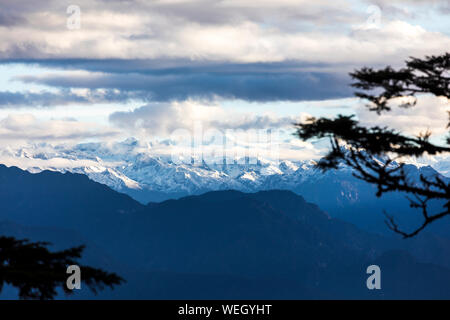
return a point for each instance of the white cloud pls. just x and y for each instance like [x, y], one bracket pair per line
[216, 31]
[26, 127]
[183, 129]
[161, 119]
[430, 113]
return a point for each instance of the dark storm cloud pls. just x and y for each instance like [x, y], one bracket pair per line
[181, 86]
[174, 80]
[62, 97]
[171, 65]
[9, 19]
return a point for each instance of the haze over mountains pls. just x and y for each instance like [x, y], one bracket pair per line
[224, 244]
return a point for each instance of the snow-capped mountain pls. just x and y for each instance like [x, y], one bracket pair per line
[131, 167]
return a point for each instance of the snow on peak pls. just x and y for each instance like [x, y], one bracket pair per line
[129, 166]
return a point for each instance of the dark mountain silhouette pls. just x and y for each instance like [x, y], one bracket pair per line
[60, 239]
[227, 244]
[62, 200]
[343, 196]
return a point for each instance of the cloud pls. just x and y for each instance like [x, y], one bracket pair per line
[162, 119]
[220, 31]
[167, 85]
[425, 6]
[430, 113]
[180, 57]
[8, 19]
[288, 50]
[64, 97]
[26, 127]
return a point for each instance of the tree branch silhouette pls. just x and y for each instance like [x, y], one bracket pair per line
[37, 272]
[360, 147]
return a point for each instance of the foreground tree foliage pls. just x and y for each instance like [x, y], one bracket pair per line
[363, 145]
[37, 272]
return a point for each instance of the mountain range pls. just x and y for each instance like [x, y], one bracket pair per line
[130, 167]
[222, 244]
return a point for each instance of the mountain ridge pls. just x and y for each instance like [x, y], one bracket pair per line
[129, 168]
[271, 242]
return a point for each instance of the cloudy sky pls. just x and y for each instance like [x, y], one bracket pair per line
[108, 70]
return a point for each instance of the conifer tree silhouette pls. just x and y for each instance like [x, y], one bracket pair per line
[37, 273]
[430, 75]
